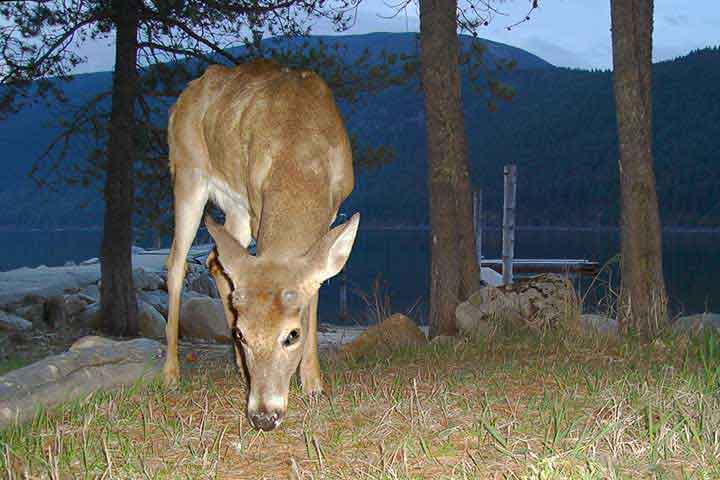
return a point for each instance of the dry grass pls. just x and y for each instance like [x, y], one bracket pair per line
[518, 407]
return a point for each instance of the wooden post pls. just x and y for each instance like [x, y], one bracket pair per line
[508, 239]
[343, 296]
[477, 220]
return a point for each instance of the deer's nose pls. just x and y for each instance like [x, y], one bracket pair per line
[266, 421]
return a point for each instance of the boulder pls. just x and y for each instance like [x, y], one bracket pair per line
[89, 365]
[157, 298]
[91, 317]
[539, 302]
[394, 332]
[204, 284]
[75, 303]
[92, 292]
[90, 261]
[591, 323]
[152, 323]
[35, 314]
[144, 280]
[55, 312]
[204, 318]
[693, 324]
[13, 323]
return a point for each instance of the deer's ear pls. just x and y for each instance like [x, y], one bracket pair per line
[328, 256]
[229, 251]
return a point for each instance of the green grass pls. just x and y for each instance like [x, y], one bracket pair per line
[514, 406]
[12, 364]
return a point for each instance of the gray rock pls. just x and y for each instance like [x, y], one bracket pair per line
[69, 263]
[35, 314]
[90, 261]
[539, 302]
[91, 317]
[55, 312]
[204, 318]
[205, 285]
[144, 280]
[592, 323]
[91, 291]
[87, 367]
[696, 323]
[13, 323]
[75, 303]
[471, 320]
[152, 323]
[157, 298]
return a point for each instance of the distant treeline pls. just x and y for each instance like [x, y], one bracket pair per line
[559, 129]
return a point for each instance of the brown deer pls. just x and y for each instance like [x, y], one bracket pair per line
[268, 146]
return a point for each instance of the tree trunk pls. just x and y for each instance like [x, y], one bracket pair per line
[119, 306]
[453, 270]
[643, 299]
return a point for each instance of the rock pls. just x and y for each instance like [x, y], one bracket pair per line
[137, 250]
[91, 317]
[694, 324]
[539, 302]
[90, 341]
[75, 303]
[394, 332]
[55, 313]
[204, 318]
[89, 366]
[444, 340]
[152, 323]
[470, 320]
[491, 277]
[157, 298]
[35, 314]
[92, 292]
[144, 280]
[90, 261]
[205, 285]
[592, 323]
[13, 323]
[69, 263]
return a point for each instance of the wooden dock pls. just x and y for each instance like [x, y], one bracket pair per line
[541, 265]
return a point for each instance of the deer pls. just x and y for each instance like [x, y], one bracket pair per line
[267, 145]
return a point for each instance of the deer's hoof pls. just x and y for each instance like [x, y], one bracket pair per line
[171, 375]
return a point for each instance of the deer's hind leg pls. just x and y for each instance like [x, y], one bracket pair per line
[190, 188]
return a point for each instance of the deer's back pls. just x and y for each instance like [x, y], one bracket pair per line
[246, 125]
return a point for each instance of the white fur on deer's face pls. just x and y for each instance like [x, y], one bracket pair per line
[269, 297]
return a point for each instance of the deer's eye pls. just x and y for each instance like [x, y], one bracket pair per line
[238, 336]
[292, 338]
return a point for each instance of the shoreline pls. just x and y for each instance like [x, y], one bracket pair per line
[401, 228]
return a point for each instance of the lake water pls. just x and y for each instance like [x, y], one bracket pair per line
[399, 259]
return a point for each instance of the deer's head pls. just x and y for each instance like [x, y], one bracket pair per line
[269, 296]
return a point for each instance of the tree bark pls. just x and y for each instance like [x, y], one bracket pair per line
[453, 270]
[643, 301]
[119, 305]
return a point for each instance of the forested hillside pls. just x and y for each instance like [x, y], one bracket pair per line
[559, 129]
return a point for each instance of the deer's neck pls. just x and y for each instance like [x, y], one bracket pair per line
[292, 222]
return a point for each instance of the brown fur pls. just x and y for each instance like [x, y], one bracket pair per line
[268, 146]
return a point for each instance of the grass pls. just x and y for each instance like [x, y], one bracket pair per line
[516, 406]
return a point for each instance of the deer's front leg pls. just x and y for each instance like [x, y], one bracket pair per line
[310, 365]
[224, 290]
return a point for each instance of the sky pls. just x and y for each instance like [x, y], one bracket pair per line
[567, 33]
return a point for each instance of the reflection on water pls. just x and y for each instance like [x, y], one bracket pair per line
[400, 260]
